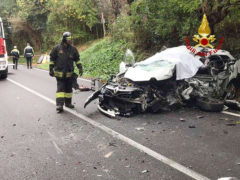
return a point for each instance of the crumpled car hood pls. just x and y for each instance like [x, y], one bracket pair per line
[161, 66]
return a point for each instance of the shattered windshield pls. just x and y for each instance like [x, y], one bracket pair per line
[154, 66]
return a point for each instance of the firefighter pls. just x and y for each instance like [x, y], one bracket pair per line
[28, 54]
[15, 54]
[61, 66]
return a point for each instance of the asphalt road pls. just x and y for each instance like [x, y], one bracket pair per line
[38, 143]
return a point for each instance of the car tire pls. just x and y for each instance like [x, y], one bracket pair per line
[231, 91]
[213, 105]
[4, 76]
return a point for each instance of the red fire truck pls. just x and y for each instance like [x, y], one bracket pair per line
[3, 53]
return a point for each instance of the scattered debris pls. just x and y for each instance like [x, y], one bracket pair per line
[192, 126]
[96, 84]
[112, 144]
[228, 178]
[128, 166]
[108, 155]
[231, 124]
[225, 108]
[77, 163]
[144, 171]
[225, 132]
[13, 154]
[182, 120]
[84, 88]
[140, 128]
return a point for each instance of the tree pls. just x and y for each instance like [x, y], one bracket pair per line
[218, 10]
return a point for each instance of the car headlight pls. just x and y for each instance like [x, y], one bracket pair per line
[3, 63]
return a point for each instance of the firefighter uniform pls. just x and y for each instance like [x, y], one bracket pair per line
[28, 54]
[15, 53]
[61, 66]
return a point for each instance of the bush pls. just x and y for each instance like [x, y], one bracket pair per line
[103, 59]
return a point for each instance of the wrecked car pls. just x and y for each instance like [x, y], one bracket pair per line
[170, 79]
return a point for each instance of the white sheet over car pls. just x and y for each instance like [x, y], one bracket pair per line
[161, 66]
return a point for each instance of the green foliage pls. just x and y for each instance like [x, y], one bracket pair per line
[103, 59]
[76, 16]
[152, 23]
[122, 29]
[7, 8]
[156, 23]
[43, 66]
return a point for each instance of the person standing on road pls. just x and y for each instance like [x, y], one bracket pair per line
[15, 54]
[61, 66]
[28, 54]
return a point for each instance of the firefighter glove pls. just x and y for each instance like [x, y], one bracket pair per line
[80, 70]
[51, 72]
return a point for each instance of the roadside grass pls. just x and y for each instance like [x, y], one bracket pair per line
[43, 66]
[103, 58]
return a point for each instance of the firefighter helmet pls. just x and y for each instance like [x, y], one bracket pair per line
[66, 36]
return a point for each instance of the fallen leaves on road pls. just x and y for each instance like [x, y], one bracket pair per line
[108, 154]
[145, 171]
[192, 126]
[139, 128]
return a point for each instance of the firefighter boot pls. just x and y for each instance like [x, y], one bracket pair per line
[71, 106]
[68, 103]
[59, 108]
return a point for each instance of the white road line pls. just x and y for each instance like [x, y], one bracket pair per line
[58, 149]
[230, 113]
[123, 138]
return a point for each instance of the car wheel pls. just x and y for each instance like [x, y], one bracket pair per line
[4, 76]
[231, 91]
[211, 105]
